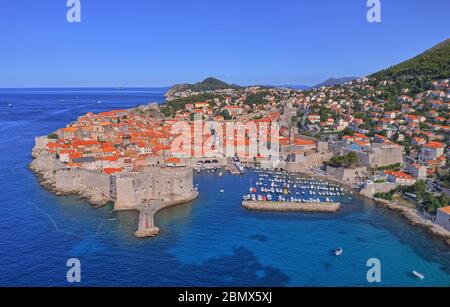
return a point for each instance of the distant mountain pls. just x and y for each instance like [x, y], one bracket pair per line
[432, 64]
[209, 84]
[296, 87]
[335, 81]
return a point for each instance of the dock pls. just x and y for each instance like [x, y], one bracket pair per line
[232, 167]
[282, 206]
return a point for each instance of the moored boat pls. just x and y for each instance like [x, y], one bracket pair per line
[338, 251]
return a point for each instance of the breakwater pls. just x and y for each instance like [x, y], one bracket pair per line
[147, 211]
[325, 207]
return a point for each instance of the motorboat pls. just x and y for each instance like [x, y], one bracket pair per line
[418, 275]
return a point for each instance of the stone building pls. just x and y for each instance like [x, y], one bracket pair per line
[162, 184]
[379, 155]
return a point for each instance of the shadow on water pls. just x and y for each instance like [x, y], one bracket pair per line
[240, 268]
[260, 238]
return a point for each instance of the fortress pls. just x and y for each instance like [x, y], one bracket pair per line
[154, 187]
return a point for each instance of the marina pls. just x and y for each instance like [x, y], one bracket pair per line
[285, 187]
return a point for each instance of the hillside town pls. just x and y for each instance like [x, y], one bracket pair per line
[353, 133]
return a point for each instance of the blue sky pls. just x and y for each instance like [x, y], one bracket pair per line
[161, 42]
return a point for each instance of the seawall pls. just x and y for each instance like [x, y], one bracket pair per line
[53, 175]
[148, 192]
[325, 207]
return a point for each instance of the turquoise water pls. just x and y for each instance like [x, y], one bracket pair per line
[210, 241]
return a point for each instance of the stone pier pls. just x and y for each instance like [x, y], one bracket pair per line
[147, 211]
[146, 226]
[325, 207]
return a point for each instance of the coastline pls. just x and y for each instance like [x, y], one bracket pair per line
[53, 176]
[414, 219]
[411, 215]
[278, 206]
[45, 168]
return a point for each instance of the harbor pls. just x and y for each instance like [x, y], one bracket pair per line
[198, 238]
[283, 187]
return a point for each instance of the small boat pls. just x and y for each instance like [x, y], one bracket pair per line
[418, 275]
[221, 191]
[220, 174]
[338, 251]
[10, 105]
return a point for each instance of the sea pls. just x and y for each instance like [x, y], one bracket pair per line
[211, 241]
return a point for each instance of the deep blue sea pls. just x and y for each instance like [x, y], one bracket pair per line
[209, 242]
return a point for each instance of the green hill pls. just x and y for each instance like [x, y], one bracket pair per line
[209, 84]
[432, 64]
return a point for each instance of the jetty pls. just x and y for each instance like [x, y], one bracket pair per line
[147, 211]
[325, 207]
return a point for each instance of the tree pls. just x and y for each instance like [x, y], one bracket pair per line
[226, 115]
[323, 114]
[348, 161]
[348, 131]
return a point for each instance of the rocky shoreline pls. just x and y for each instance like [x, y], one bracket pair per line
[415, 219]
[411, 215]
[46, 169]
[46, 174]
[322, 207]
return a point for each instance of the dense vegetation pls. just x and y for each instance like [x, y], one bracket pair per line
[255, 99]
[209, 84]
[432, 64]
[226, 115]
[347, 161]
[444, 178]
[172, 106]
[425, 200]
[392, 167]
